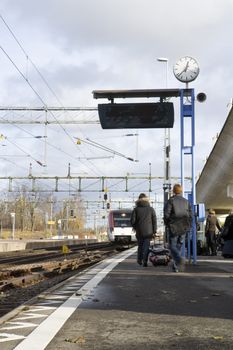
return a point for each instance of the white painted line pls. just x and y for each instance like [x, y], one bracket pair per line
[41, 308]
[55, 296]
[27, 315]
[49, 302]
[10, 337]
[19, 325]
[216, 261]
[40, 337]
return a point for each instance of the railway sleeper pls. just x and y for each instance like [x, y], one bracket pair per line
[21, 282]
[23, 277]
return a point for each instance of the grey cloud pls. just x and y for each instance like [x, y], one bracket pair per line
[114, 44]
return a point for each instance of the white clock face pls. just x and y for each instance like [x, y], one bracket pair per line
[186, 69]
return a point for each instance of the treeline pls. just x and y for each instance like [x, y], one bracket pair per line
[37, 211]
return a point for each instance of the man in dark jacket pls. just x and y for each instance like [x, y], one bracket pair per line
[144, 222]
[212, 224]
[178, 219]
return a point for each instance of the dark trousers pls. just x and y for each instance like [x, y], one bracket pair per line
[211, 242]
[143, 249]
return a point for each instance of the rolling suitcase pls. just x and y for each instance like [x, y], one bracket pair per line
[159, 255]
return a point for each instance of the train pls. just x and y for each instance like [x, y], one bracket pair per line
[119, 227]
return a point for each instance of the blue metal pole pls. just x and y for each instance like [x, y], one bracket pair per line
[182, 138]
[182, 151]
[187, 99]
[194, 229]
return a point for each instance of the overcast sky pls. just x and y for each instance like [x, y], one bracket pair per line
[81, 45]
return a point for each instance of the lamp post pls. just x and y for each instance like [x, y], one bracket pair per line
[164, 60]
[149, 179]
[167, 147]
[13, 225]
[51, 214]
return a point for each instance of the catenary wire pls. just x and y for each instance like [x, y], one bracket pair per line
[70, 137]
[44, 80]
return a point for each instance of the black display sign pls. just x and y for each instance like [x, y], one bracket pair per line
[136, 115]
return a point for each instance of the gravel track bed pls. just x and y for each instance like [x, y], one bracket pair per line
[18, 296]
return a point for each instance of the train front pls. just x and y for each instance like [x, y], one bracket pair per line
[119, 227]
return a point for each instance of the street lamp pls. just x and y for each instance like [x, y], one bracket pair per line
[167, 147]
[13, 225]
[149, 179]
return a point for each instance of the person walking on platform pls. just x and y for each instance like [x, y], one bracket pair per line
[227, 236]
[212, 224]
[178, 220]
[227, 231]
[144, 222]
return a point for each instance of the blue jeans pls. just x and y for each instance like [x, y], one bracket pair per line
[175, 247]
[143, 249]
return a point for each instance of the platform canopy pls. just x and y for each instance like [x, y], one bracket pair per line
[214, 186]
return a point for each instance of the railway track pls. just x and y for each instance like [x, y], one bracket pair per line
[23, 278]
[37, 256]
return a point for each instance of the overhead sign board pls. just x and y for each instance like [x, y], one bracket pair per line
[136, 115]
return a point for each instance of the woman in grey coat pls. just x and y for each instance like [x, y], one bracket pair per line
[212, 224]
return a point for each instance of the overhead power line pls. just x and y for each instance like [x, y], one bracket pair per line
[28, 155]
[46, 108]
[44, 80]
[98, 145]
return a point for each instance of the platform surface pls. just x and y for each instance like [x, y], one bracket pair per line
[120, 305]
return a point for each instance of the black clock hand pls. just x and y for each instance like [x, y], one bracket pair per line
[184, 70]
[186, 67]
